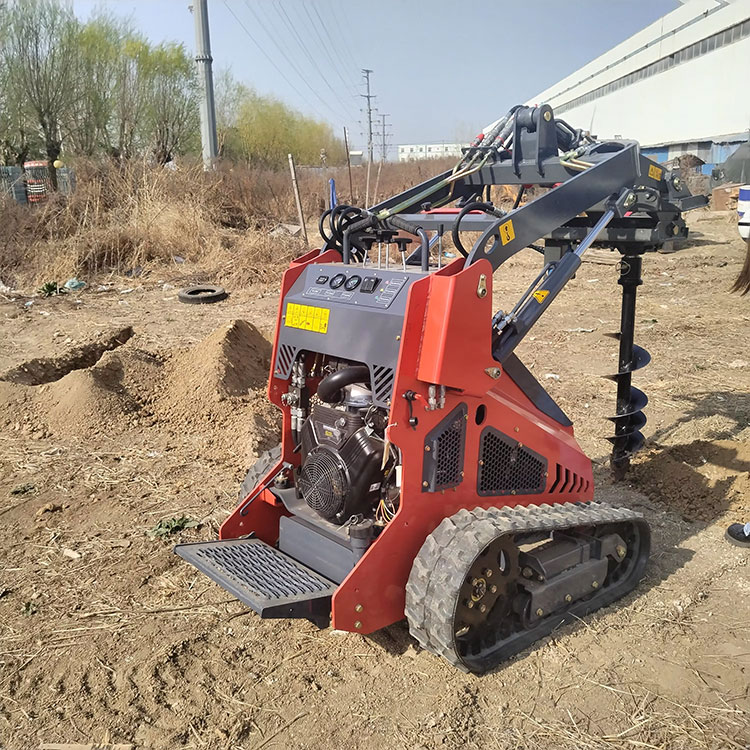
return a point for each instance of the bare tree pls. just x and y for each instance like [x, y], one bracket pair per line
[87, 120]
[40, 57]
[172, 107]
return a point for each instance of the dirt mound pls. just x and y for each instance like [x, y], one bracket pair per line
[48, 369]
[88, 402]
[230, 362]
[214, 391]
[701, 480]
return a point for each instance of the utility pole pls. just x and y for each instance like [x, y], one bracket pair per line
[203, 60]
[383, 135]
[383, 154]
[369, 97]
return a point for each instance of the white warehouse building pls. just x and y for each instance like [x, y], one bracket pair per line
[681, 85]
[414, 151]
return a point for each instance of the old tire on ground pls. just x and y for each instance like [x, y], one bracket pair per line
[259, 470]
[202, 294]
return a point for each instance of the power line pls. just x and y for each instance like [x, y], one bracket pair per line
[280, 8]
[270, 59]
[333, 46]
[342, 41]
[285, 54]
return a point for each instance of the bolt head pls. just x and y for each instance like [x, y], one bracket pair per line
[493, 589]
[358, 624]
[487, 572]
[539, 612]
[358, 608]
[427, 448]
[470, 604]
[548, 115]
[482, 608]
[425, 483]
[595, 584]
[568, 598]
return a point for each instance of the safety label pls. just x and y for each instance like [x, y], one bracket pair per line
[307, 317]
[507, 233]
[540, 295]
[654, 172]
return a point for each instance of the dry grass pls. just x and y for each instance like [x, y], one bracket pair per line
[121, 218]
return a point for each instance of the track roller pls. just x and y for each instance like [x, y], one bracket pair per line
[488, 583]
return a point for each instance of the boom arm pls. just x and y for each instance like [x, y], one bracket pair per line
[593, 193]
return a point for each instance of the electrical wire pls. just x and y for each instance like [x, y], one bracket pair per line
[285, 54]
[290, 25]
[328, 47]
[270, 60]
[343, 43]
[336, 47]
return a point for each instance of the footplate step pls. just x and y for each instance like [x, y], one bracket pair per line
[270, 582]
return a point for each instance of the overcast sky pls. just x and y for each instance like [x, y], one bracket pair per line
[442, 69]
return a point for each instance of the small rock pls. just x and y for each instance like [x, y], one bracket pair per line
[71, 554]
[49, 508]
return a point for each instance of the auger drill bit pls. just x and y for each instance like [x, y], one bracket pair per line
[629, 418]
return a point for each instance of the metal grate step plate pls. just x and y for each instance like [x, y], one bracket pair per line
[270, 582]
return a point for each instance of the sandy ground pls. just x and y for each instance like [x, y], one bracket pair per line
[106, 636]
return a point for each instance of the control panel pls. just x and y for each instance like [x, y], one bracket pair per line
[356, 285]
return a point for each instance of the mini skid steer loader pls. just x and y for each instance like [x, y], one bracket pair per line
[422, 471]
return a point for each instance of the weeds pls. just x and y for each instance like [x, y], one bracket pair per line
[134, 215]
[51, 289]
[171, 526]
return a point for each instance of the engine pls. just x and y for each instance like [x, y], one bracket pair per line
[341, 473]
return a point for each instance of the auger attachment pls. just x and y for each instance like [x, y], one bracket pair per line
[629, 418]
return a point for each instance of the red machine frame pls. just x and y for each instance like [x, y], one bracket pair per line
[445, 339]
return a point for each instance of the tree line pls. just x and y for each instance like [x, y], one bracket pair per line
[73, 88]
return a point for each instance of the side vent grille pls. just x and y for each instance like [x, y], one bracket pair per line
[568, 481]
[382, 384]
[508, 468]
[284, 359]
[444, 452]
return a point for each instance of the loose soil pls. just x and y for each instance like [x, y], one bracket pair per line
[106, 636]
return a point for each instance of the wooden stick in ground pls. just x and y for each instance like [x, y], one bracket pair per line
[349, 165]
[295, 187]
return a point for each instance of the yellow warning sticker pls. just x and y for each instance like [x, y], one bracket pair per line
[654, 172]
[307, 317]
[507, 233]
[540, 295]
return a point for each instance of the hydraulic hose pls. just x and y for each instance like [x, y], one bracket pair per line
[329, 389]
[321, 227]
[473, 206]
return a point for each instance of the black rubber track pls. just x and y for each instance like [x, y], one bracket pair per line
[446, 556]
[266, 461]
[202, 294]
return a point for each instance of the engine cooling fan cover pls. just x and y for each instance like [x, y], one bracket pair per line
[324, 483]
